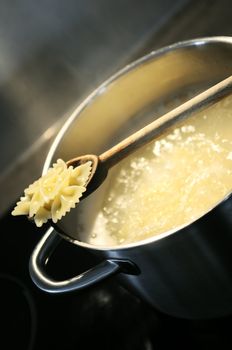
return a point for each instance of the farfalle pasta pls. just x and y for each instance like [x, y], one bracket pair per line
[54, 194]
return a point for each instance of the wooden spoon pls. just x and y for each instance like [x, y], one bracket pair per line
[102, 163]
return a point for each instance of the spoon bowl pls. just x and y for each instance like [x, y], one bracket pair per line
[98, 171]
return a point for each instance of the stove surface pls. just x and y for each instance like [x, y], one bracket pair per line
[105, 316]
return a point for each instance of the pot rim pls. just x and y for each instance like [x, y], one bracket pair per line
[99, 91]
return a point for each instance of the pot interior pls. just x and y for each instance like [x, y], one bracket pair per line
[133, 98]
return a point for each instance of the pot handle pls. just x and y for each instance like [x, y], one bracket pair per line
[45, 248]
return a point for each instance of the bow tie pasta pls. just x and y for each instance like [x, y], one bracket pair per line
[54, 194]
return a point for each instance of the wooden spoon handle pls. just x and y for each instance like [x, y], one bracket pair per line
[157, 127]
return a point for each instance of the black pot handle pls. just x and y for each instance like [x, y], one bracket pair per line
[40, 257]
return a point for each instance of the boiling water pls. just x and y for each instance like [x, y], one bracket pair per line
[171, 181]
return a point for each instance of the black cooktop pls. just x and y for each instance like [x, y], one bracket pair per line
[102, 317]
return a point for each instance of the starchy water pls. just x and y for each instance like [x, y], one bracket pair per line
[170, 182]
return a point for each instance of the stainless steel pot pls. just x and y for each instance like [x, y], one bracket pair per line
[186, 273]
